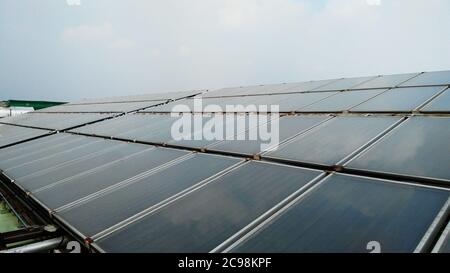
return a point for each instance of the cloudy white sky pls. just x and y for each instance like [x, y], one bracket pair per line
[54, 51]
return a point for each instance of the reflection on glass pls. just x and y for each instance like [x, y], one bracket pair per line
[344, 84]
[289, 126]
[334, 140]
[81, 186]
[440, 104]
[430, 78]
[125, 202]
[205, 218]
[345, 213]
[387, 81]
[342, 101]
[398, 100]
[419, 147]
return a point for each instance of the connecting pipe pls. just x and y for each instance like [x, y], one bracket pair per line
[36, 247]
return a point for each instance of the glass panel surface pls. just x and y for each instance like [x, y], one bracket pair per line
[398, 100]
[332, 141]
[202, 220]
[11, 134]
[167, 108]
[53, 160]
[387, 81]
[293, 102]
[63, 145]
[283, 88]
[219, 127]
[260, 89]
[143, 97]
[54, 121]
[430, 78]
[288, 126]
[29, 147]
[110, 209]
[344, 84]
[419, 147]
[308, 86]
[81, 168]
[100, 108]
[345, 213]
[81, 186]
[158, 132]
[229, 91]
[439, 104]
[342, 101]
[124, 124]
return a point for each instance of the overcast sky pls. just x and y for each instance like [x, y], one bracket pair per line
[54, 50]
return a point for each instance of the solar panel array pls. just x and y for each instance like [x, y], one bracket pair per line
[358, 160]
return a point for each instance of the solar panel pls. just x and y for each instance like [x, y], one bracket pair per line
[416, 148]
[54, 121]
[430, 78]
[28, 147]
[82, 167]
[333, 141]
[213, 213]
[158, 128]
[250, 90]
[124, 124]
[268, 89]
[286, 103]
[344, 84]
[78, 150]
[167, 108]
[398, 100]
[101, 107]
[142, 127]
[116, 206]
[72, 189]
[199, 138]
[141, 98]
[61, 144]
[289, 126]
[294, 102]
[14, 134]
[346, 213]
[116, 174]
[310, 86]
[160, 133]
[439, 105]
[342, 101]
[386, 81]
[231, 101]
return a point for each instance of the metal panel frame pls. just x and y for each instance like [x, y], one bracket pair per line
[440, 243]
